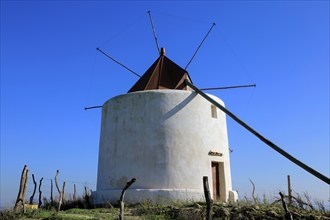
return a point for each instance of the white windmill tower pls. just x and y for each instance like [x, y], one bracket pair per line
[165, 135]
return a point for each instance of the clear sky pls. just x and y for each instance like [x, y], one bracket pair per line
[50, 71]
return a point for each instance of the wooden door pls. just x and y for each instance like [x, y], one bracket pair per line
[215, 181]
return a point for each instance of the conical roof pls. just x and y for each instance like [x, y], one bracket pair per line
[162, 74]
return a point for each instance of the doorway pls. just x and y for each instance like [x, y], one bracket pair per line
[219, 181]
[216, 180]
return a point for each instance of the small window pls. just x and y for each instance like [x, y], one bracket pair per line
[214, 111]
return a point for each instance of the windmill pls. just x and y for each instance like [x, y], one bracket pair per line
[168, 134]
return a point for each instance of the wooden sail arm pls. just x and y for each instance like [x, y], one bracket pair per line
[262, 138]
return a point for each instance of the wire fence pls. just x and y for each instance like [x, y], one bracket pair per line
[46, 188]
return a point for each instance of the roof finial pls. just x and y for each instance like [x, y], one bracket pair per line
[162, 51]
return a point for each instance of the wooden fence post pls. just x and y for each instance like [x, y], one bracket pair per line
[289, 191]
[51, 192]
[20, 201]
[288, 215]
[63, 193]
[40, 182]
[59, 191]
[74, 192]
[253, 190]
[128, 184]
[34, 189]
[209, 201]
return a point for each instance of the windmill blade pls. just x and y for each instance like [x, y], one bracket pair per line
[98, 49]
[229, 87]
[154, 32]
[199, 46]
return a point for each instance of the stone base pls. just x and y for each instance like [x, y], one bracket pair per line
[233, 196]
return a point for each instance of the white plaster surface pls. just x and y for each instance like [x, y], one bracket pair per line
[162, 138]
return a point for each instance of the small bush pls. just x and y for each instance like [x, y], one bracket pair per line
[7, 215]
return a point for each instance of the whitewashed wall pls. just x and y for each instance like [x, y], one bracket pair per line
[163, 138]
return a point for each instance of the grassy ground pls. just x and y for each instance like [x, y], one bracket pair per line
[189, 211]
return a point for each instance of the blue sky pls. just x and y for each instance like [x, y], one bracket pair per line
[50, 71]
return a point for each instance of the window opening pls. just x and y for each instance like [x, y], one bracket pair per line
[214, 111]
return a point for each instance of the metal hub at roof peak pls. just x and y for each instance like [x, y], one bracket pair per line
[162, 51]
